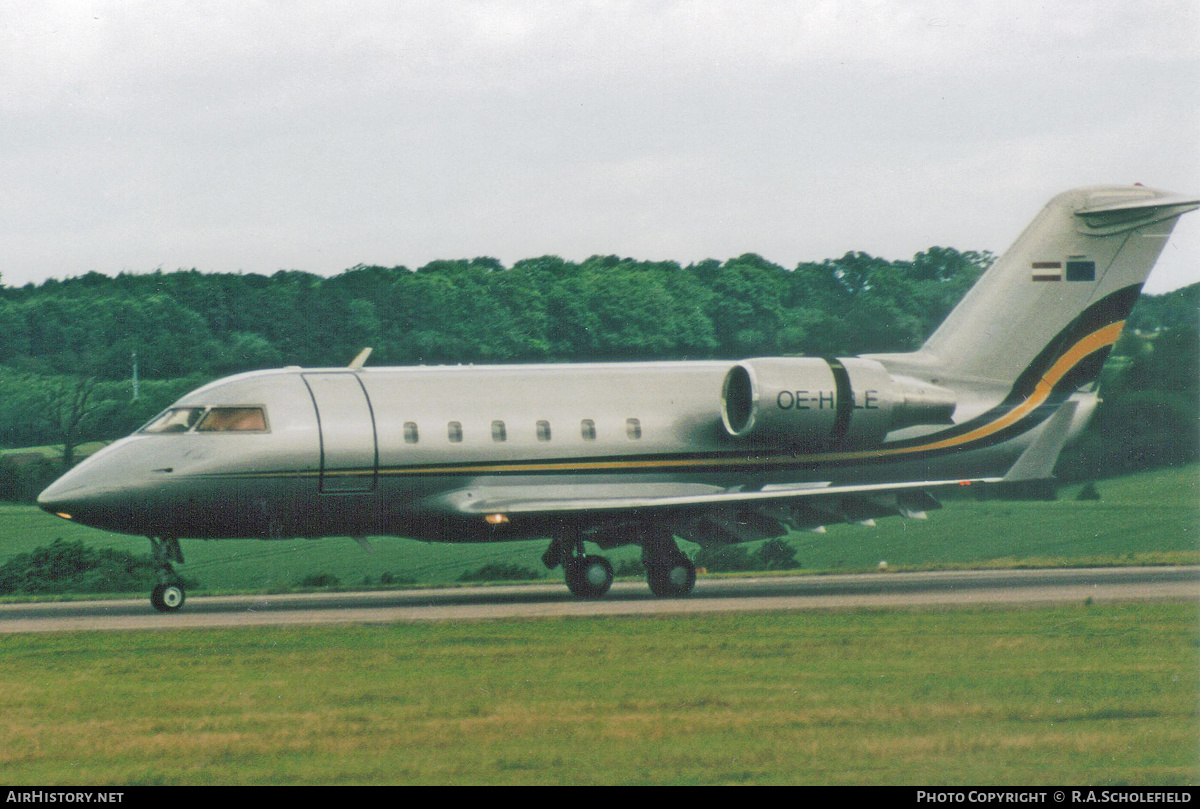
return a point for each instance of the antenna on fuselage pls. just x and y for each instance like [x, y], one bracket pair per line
[358, 362]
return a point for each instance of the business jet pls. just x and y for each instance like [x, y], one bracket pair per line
[644, 453]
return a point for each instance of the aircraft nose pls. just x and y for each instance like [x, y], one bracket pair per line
[65, 497]
[89, 494]
[98, 491]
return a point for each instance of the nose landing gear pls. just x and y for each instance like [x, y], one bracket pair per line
[168, 595]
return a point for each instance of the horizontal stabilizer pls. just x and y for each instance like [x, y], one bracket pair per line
[1098, 204]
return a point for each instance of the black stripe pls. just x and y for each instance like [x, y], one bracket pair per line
[845, 401]
[1104, 312]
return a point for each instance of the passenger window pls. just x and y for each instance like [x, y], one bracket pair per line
[633, 429]
[498, 431]
[454, 429]
[233, 419]
[587, 428]
[543, 430]
[410, 432]
[175, 420]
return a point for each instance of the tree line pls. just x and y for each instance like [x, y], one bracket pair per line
[478, 311]
[67, 346]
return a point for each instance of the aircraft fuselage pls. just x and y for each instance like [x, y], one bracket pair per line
[402, 450]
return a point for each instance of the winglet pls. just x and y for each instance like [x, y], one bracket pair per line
[1037, 461]
[358, 362]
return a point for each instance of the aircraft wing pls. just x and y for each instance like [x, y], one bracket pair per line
[537, 500]
[719, 516]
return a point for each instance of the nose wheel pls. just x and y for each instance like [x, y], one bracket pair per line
[168, 595]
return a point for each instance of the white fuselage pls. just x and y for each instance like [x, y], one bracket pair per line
[404, 451]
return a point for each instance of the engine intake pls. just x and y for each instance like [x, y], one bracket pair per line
[818, 402]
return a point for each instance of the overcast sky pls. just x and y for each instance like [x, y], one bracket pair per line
[257, 136]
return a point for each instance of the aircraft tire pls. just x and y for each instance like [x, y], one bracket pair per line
[673, 578]
[167, 597]
[588, 576]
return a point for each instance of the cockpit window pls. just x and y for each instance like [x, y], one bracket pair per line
[233, 419]
[209, 420]
[175, 420]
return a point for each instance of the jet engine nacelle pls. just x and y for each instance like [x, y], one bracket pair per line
[818, 402]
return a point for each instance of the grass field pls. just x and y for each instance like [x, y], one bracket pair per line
[1149, 518]
[1083, 694]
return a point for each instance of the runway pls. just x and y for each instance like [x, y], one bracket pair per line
[930, 589]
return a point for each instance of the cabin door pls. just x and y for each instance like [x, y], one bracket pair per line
[349, 453]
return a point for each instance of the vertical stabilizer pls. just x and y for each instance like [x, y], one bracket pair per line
[1063, 290]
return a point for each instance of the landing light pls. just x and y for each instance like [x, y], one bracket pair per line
[496, 519]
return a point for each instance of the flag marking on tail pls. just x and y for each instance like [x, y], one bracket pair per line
[1047, 271]
[1078, 269]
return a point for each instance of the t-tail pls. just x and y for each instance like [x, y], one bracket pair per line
[1047, 313]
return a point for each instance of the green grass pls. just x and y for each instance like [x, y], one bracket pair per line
[1149, 518]
[1153, 517]
[1073, 694]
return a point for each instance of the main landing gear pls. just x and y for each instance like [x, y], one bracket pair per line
[168, 595]
[669, 572]
[586, 576]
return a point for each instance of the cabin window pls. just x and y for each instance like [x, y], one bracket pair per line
[454, 430]
[633, 429]
[410, 432]
[498, 431]
[175, 420]
[543, 430]
[587, 428]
